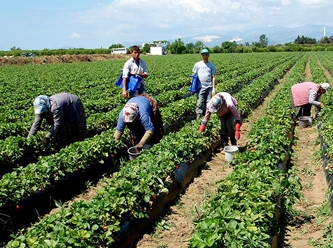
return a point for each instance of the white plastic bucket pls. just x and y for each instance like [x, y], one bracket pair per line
[133, 152]
[305, 121]
[229, 151]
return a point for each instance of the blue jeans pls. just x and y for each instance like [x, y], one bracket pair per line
[203, 97]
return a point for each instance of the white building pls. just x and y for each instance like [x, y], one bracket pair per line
[157, 50]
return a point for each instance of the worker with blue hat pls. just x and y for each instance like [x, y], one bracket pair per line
[65, 113]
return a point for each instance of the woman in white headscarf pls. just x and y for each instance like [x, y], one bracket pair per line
[143, 118]
[65, 113]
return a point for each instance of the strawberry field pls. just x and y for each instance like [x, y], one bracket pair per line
[249, 202]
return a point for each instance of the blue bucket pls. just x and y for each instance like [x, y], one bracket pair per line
[195, 84]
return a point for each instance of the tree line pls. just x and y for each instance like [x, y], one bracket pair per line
[301, 43]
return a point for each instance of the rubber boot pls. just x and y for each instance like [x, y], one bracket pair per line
[233, 141]
[224, 140]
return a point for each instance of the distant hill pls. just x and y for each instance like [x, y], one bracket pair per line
[275, 35]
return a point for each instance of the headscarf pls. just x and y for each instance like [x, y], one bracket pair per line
[42, 104]
[130, 112]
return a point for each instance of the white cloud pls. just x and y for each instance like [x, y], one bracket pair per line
[312, 2]
[207, 38]
[236, 39]
[147, 20]
[74, 36]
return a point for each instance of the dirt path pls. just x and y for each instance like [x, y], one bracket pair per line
[304, 228]
[176, 227]
[306, 224]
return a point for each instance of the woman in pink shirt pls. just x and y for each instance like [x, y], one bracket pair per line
[306, 94]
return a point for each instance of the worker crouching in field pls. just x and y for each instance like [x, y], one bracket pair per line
[225, 106]
[65, 113]
[306, 94]
[143, 118]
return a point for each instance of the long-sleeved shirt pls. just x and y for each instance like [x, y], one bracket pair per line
[64, 107]
[143, 121]
[230, 105]
[305, 93]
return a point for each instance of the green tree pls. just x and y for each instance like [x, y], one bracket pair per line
[324, 40]
[190, 48]
[216, 49]
[305, 40]
[228, 46]
[177, 47]
[330, 39]
[198, 46]
[116, 46]
[263, 40]
[14, 48]
[146, 48]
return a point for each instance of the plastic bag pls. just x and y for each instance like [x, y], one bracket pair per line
[132, 82]
[195, 84]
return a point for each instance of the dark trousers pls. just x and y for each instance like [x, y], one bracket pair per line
[304, 110]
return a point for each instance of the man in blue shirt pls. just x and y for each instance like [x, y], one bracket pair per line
[143, 118]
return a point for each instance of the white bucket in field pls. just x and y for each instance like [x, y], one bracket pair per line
[133, 152]
[305, 121]
[229, 151]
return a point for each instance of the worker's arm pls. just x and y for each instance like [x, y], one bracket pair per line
[117, 135]
[146, 137]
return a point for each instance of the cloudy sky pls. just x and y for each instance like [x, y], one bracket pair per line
[39, 24]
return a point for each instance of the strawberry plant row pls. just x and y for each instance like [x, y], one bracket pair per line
[170, 115]
[246, 209]
[325, 123]
[170, 158]
[106, 103]
[88, 80]
[191, 101]
[98, 123]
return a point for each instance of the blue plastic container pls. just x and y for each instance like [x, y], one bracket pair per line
[132, 83]
[119, 82]
[195, 84]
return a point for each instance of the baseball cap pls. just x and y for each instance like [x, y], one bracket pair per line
[130, 112]
[215, 104]
[205, 50]
[325, 86]
[41, 104]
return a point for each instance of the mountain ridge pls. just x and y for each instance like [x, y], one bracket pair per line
[274, 34]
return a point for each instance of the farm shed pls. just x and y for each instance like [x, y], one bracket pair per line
[157, 50]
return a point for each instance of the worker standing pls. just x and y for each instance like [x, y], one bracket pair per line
[134, 66]
[205, 70]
